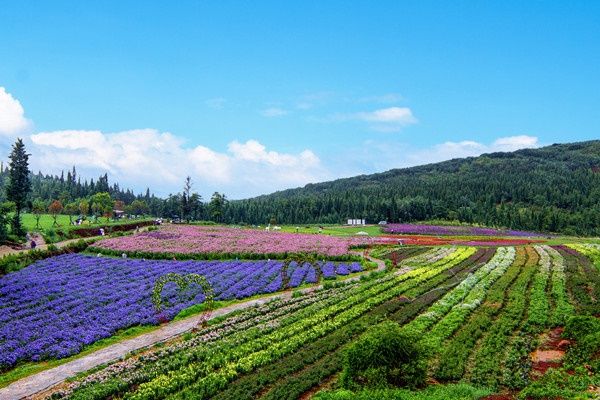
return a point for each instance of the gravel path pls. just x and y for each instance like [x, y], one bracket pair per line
[44, 380]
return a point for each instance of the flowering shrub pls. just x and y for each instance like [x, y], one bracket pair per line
[186, 239]
[56, 306]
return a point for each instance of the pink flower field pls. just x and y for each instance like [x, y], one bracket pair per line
[187, 239]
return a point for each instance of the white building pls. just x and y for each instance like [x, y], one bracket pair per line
[356, 222]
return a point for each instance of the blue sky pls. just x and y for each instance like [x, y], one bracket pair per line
[252, 97]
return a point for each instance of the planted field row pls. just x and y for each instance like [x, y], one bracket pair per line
[453, 359]
[215, 240]
[514, 333]
[510, 303]
[54, 307]
[447, 313]
[291, 376]
[583, 280]
[205, 370]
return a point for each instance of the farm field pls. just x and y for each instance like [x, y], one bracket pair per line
[494, 319]
[180, 240]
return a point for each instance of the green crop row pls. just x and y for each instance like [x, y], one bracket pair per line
[291, 376]
[452, 361]
[488, 359]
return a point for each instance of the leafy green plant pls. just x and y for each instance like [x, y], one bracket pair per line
[385, 356]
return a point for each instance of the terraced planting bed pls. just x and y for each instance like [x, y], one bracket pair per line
[481, 311]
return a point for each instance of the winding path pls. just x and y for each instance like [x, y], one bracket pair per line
[44, 380]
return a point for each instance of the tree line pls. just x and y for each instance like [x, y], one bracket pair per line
[550, 189]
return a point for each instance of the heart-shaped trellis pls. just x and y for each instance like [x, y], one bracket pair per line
[183, 281]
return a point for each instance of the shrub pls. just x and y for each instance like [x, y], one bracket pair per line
[558, 384]
[581, 325]
[385, 356]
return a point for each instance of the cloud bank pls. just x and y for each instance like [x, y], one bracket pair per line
[161, 160]
[12, 115]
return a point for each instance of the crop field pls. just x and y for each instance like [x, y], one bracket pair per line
[185, 239]
[494, 319]
[460, 230]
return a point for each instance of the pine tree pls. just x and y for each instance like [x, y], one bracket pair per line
[19, 184]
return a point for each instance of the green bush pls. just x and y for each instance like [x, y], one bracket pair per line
[579, 326]
[385, 356]
[559, 384]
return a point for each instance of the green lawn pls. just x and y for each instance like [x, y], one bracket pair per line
[53, 233]
[334, 230]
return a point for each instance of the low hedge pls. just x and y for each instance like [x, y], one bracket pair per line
[95, 231]
[218, 256]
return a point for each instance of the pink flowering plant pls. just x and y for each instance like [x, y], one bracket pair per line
[215, 242]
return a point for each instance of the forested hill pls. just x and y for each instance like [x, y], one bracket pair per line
[551, 189]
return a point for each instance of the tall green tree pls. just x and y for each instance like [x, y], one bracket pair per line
[217, 206]
[186, 208]
[102, 204]
[19, 184]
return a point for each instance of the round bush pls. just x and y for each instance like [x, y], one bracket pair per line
[385, 356]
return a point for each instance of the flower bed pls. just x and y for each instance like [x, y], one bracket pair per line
[56, 306]
[428, 240]
[213, 241]
[452, 230]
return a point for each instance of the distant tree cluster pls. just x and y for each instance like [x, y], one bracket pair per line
[550, 189]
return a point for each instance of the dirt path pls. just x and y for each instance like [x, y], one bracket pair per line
[44, 380]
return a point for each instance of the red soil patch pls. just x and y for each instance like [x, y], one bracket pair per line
[547, 356]
[550, 353]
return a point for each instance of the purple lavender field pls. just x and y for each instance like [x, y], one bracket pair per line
[55, 307]
[453, 230]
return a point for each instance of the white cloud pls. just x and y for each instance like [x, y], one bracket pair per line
[512, 143]
[391, 115]
[391, 119]
[12, 115]
[146, 157]
[272, 112]
[382, 156]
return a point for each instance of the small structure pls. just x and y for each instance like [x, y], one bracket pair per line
[118, 213]
[355, 222]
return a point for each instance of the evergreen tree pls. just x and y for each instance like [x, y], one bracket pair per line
[19, 184]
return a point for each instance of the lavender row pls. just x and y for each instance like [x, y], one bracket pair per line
[55, 307]
[453, 230]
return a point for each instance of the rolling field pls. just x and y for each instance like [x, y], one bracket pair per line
[495, 320]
